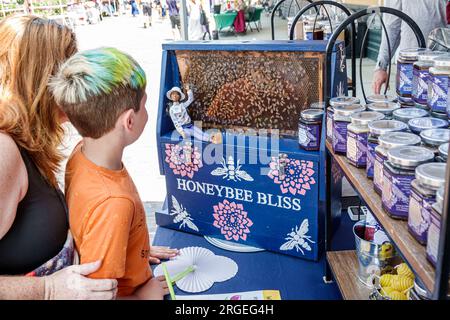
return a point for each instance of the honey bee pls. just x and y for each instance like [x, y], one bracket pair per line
[231, 172]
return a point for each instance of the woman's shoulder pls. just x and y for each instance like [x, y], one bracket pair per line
[11, 163]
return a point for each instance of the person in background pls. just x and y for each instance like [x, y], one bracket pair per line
[195, 30]
[34, 230]
[147, 12]
[428, 14]
[134, 8]
[174, 15]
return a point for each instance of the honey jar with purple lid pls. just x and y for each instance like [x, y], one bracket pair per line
[434, 230]
[398, 173]
[341, 119]
[377, 128]
[310, 128]
[405, 66]
[421, 75]
[357, 133]
[429, 178]
[334, 102]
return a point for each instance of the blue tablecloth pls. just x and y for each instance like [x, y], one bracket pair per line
[293, 277]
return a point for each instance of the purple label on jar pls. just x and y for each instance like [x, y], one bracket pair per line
[378, 172]
[340, 136]
[419, 217]
[329, 125]
[420, 85]
[396, 192]
[438, 93]
[357, 148]
[404, 78]
[370, 159]
[309, 136]
[433, 237]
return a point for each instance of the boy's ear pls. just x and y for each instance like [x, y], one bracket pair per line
[128, 119]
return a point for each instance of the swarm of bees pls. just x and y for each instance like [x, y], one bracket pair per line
[260, 90]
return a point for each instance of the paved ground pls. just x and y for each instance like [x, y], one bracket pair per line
[128, 34]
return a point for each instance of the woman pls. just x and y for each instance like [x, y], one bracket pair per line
[195, 29]
[34, 237]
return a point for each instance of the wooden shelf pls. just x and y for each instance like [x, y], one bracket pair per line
[344, 265]
[397, 230]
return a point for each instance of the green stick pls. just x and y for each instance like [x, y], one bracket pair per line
[169, 281]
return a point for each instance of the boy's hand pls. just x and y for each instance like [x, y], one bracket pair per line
[157, 253]
[153, 289]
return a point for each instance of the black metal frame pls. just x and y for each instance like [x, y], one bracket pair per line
[352, 35]
[274, 10]
[443, 262]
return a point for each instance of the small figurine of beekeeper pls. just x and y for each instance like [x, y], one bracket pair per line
[180, 117]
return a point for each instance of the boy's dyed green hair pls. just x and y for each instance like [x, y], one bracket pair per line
[94, 87]
[96, 72]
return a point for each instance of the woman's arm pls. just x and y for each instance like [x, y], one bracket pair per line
[14, 182]
[68, 283]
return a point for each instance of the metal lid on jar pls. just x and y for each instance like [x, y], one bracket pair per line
[431, 174]
[429, 55]
[406, 114]
[406, 101]
[419, 124]
[312, 114]
[383, 107]
[435, 137]
[443, 150]
[382, 126]
[439, 115]
[363, 118]
[443, 61]
[409, 156]
[348, 110]
[375, 98]
[343, 101]
[396, 139]
[411, 53]
[440, 195]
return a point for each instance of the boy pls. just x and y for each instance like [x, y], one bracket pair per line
[102, 91]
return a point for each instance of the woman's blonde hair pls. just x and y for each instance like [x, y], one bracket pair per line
[31, 51]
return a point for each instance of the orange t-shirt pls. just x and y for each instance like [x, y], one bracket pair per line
[107, 220]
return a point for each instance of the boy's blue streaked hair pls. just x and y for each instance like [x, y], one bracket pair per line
[95, 72]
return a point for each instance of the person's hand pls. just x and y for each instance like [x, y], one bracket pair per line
[157, 253]
[153, 289]
[379, 78]
[71, 284]
[188, 87]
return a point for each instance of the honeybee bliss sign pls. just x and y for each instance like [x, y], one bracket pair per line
[274, 205]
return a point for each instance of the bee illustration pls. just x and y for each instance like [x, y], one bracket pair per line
[230, 171]
[437, 93]
[181, 215]
[404, 80]
[298, 239]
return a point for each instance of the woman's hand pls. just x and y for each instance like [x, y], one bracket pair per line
[71, 284]
[157, 253]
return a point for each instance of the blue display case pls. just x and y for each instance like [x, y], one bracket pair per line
[257, 187]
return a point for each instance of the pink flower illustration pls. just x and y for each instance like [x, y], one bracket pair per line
[232, 220]
[178, 156]
[297, 178]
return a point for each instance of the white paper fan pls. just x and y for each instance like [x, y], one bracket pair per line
[208, 268]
